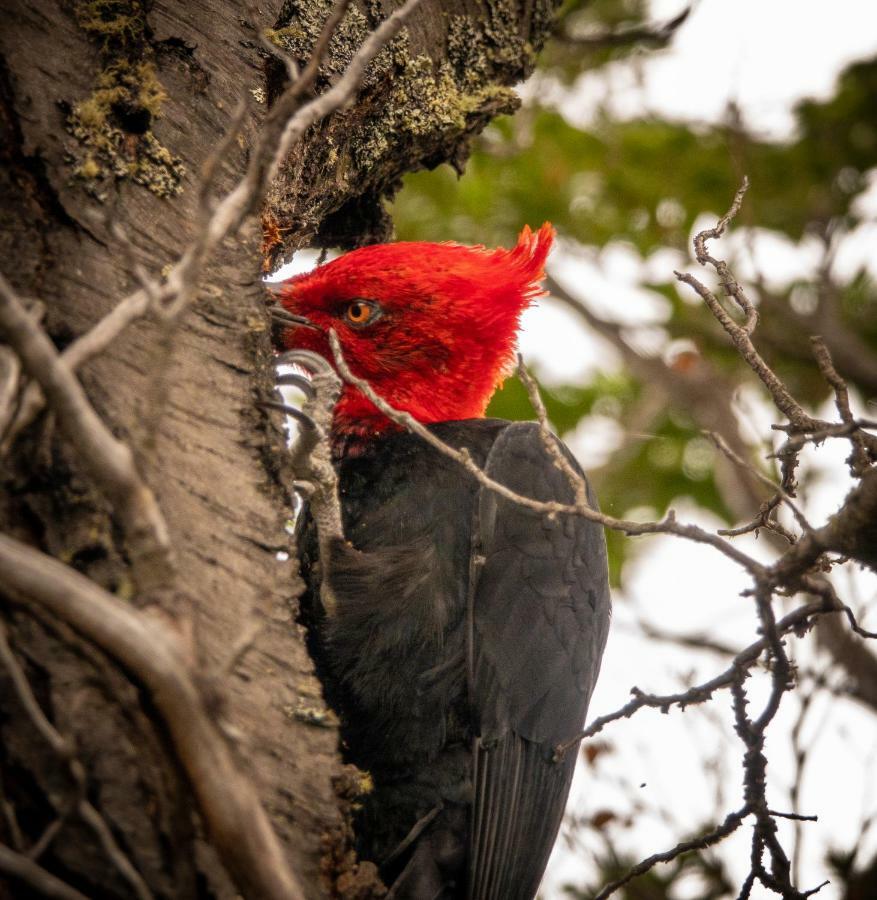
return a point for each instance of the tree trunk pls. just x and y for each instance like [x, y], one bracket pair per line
[109, 110]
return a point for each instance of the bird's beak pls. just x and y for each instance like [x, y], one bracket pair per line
[284, 317]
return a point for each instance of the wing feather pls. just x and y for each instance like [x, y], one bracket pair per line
[540, 615]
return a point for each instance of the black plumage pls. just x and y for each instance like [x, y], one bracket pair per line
[465, 647]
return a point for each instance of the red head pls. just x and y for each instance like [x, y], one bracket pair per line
[432, 327]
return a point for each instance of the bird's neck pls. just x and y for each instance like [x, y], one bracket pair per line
[358, 424]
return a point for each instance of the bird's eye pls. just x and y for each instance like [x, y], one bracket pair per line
[360, 313]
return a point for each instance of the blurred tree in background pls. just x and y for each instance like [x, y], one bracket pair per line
[640, 185]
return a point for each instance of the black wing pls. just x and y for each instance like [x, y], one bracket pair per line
[540, 615]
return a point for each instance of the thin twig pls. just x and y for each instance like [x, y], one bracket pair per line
[723, 446]
[271, 48]
[731, 823]
[89, 345]
[241, 646]
[10, 386]
[740, 334]
[47, 837]
[10, 821]
[576, 481]
[860, 459]
[803, 427]
[795, 621]
[763, 519]
[800, 753]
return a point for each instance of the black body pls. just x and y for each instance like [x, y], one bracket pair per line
[466, 644]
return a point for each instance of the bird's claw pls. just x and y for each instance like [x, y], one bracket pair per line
[301, 417]
[312, 455]
[293, 379]
[321, 387]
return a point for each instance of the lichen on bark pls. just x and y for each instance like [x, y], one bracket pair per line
[113, 125]
[423, 98]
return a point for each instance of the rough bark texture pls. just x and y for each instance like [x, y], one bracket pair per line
[108, 111]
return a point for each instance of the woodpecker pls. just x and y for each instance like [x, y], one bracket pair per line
[466, 630]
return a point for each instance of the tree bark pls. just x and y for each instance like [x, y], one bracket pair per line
[108, 112]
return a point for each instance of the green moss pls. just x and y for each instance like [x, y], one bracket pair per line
[117, 24]
[429, 102]
[424, 103]
[306, 19]
[478, 48]
[113, 125]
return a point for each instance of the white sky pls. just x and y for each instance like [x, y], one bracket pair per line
[762, 54]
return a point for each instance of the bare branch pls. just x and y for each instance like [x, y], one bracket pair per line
[731, 823]
[576, 481]
[45, 839]
[852, 531]
[271, 48]
[796, 621]
[27, 871]
[803, 427]
[235, 820]
[800, 752]
[86, 347]
[112, 849]
[764, 519]
[780, 492]
[649, 35]
[60, 745]
[860, 459]
[740, 334]
[742, 341]
[10, 383]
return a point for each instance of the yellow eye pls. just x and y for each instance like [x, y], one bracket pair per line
[361, 312]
